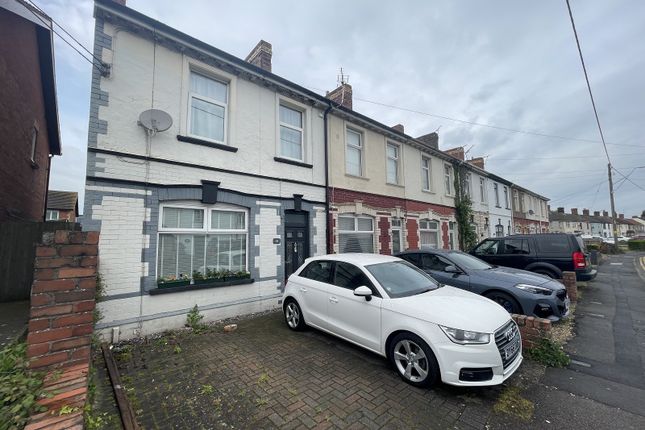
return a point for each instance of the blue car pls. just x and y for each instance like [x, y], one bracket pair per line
[517, 291]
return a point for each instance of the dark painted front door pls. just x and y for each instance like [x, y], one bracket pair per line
[296, 240]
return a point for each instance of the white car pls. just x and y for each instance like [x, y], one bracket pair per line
[388, 306]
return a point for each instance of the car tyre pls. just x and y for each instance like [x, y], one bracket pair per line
[413, 360]
[506, 301]
[293, 315]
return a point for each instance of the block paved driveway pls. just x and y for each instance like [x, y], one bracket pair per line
[264, 376]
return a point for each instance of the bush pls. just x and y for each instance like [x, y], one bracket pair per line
[20, 388]
[549, 353]
[636, 245]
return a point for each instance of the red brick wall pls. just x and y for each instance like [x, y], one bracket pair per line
[444, 235]
[23, 186]
[62, 299]
[384, 237]
[339, 195]
[412, 230]
[532, 329]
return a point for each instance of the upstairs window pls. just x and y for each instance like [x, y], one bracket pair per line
[447, 177]
[466, 185]
[291, 132]
[355, 234]
[506, 202]
[496, 189]
[482, 190]
[393, 163]
[208, 100]
[429, 233]
[426, 174]
[354, 153]
[52, 215]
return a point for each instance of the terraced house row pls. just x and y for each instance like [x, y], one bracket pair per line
[253, 175]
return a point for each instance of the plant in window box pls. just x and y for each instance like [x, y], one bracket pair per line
[172, 281]
[242, 274]
[199, 278]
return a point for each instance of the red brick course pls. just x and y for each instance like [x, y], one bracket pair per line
[376, 201]
[532, 329]
[412, 229]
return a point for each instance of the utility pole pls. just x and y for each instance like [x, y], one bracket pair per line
[613, 207]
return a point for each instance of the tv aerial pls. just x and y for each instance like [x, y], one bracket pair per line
[154, 121]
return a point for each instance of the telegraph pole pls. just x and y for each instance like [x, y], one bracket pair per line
[613, 207]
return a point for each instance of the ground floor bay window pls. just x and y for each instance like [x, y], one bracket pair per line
[204, 240]
[429, 233]
[355, 234]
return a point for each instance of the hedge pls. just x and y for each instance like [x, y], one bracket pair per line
[636, 245]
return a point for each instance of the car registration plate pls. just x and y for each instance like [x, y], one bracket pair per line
[511, 349]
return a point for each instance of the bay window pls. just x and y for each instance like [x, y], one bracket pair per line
[355, 234]
[429, 233]
[201, 239]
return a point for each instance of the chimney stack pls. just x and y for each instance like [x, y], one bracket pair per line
[260, 56]
[605, 213]
[596, 213]
[585, 212]
[561, 210]
[341, 95]
[399, 128]
[621, 216]
[430, 139]
[574, 211]
[456, 152]
[477, 162]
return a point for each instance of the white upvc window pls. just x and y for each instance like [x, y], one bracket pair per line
[467, 185]
[447, 178]
[429, 233]
[393, 160]
[354, 153]
[506, 202]
[482, 190]
[452, 234]
[291, 133]
[201, 238]
[426, 173]
[207, 108]
[52, 215]
[496, 189]
[355, 233]
[397, 240]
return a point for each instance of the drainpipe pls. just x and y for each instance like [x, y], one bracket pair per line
[328, 230]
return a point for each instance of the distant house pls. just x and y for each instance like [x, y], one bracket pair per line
[28, 111]
[62, 206]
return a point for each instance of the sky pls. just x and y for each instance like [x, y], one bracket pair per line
[504, 63]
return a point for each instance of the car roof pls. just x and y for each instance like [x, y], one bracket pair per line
[362, 259]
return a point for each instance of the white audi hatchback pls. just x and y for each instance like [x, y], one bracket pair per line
[388, 306]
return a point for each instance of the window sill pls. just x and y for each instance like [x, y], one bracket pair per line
[194, 287]
[203, 142]
[349, 175]
[293, 162]
[428, 191]
[394, 185]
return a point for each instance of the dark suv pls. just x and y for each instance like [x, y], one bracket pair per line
[548, 254]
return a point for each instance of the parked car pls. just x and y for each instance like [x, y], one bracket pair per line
[545, 253]
[384, 304]
[518, 291]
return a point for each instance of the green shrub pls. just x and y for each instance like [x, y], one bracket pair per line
[194, 320]
[549, 353]
[636, 245]
[20, 388]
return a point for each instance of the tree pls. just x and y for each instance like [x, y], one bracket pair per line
[464, 211]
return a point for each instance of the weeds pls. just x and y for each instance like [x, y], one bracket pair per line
[206, 390]
[194, 320]
[549, 353]
[512, 403]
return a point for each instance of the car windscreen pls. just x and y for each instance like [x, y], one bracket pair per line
[468, 262]
[401, 279]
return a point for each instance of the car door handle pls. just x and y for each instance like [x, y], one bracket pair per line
[303, 290]
[333, 299]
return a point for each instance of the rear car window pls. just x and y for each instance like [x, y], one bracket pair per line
[515, 247]
[555, 244]
[581, 244]
[319, 270]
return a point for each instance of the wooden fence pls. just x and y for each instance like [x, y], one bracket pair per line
[17, 251]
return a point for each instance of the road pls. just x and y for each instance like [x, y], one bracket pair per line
[604, 387]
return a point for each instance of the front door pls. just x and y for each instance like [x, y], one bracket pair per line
[296, 242]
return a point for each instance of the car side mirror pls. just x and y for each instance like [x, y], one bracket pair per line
[451, 269]
[363, 291]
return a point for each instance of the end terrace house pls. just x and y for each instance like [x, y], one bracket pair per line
[233, 189]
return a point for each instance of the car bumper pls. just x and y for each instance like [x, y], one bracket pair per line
[586, 276]
[453, 358]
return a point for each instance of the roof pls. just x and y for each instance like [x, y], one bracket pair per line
[45, 42]
[358, 258]
[62, 200]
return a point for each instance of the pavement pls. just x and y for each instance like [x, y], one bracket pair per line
[14, 317]
[262, 375]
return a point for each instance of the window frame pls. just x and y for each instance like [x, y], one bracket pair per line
[52, 211]
[190, 95]
[482, 191]
[205, 230]
[356, 230]
[427, 171]
[437, 232]
[448, 178]
[397, 162]
[506, 200]
[360, 148]
[303, 118]
[496, 192]
[399, 231]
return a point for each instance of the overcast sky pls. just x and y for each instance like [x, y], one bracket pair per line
[510, 64]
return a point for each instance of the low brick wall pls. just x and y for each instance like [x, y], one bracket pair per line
[532, 329]
[61, 324]
[571, 284]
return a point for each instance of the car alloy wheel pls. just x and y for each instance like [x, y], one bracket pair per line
[293, 316]
[507, 302]
[414, 360]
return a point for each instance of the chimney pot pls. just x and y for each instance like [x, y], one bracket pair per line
[585, 212]
[621, 216]
[561, 210]
[341, 95]
[260, 56]
[430, 139]
[605, 213]
[574, 211]
[399, 128]
[596, 213]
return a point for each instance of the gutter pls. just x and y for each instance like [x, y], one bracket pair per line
[328, 230]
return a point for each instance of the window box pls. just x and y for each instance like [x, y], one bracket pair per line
[212, 283]
[172, 283]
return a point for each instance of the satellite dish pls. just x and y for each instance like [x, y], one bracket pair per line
[155, 120]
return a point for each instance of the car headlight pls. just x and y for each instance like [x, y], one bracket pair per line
[534, 289]
[465, 337]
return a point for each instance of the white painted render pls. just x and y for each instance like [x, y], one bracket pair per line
[499, 213]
